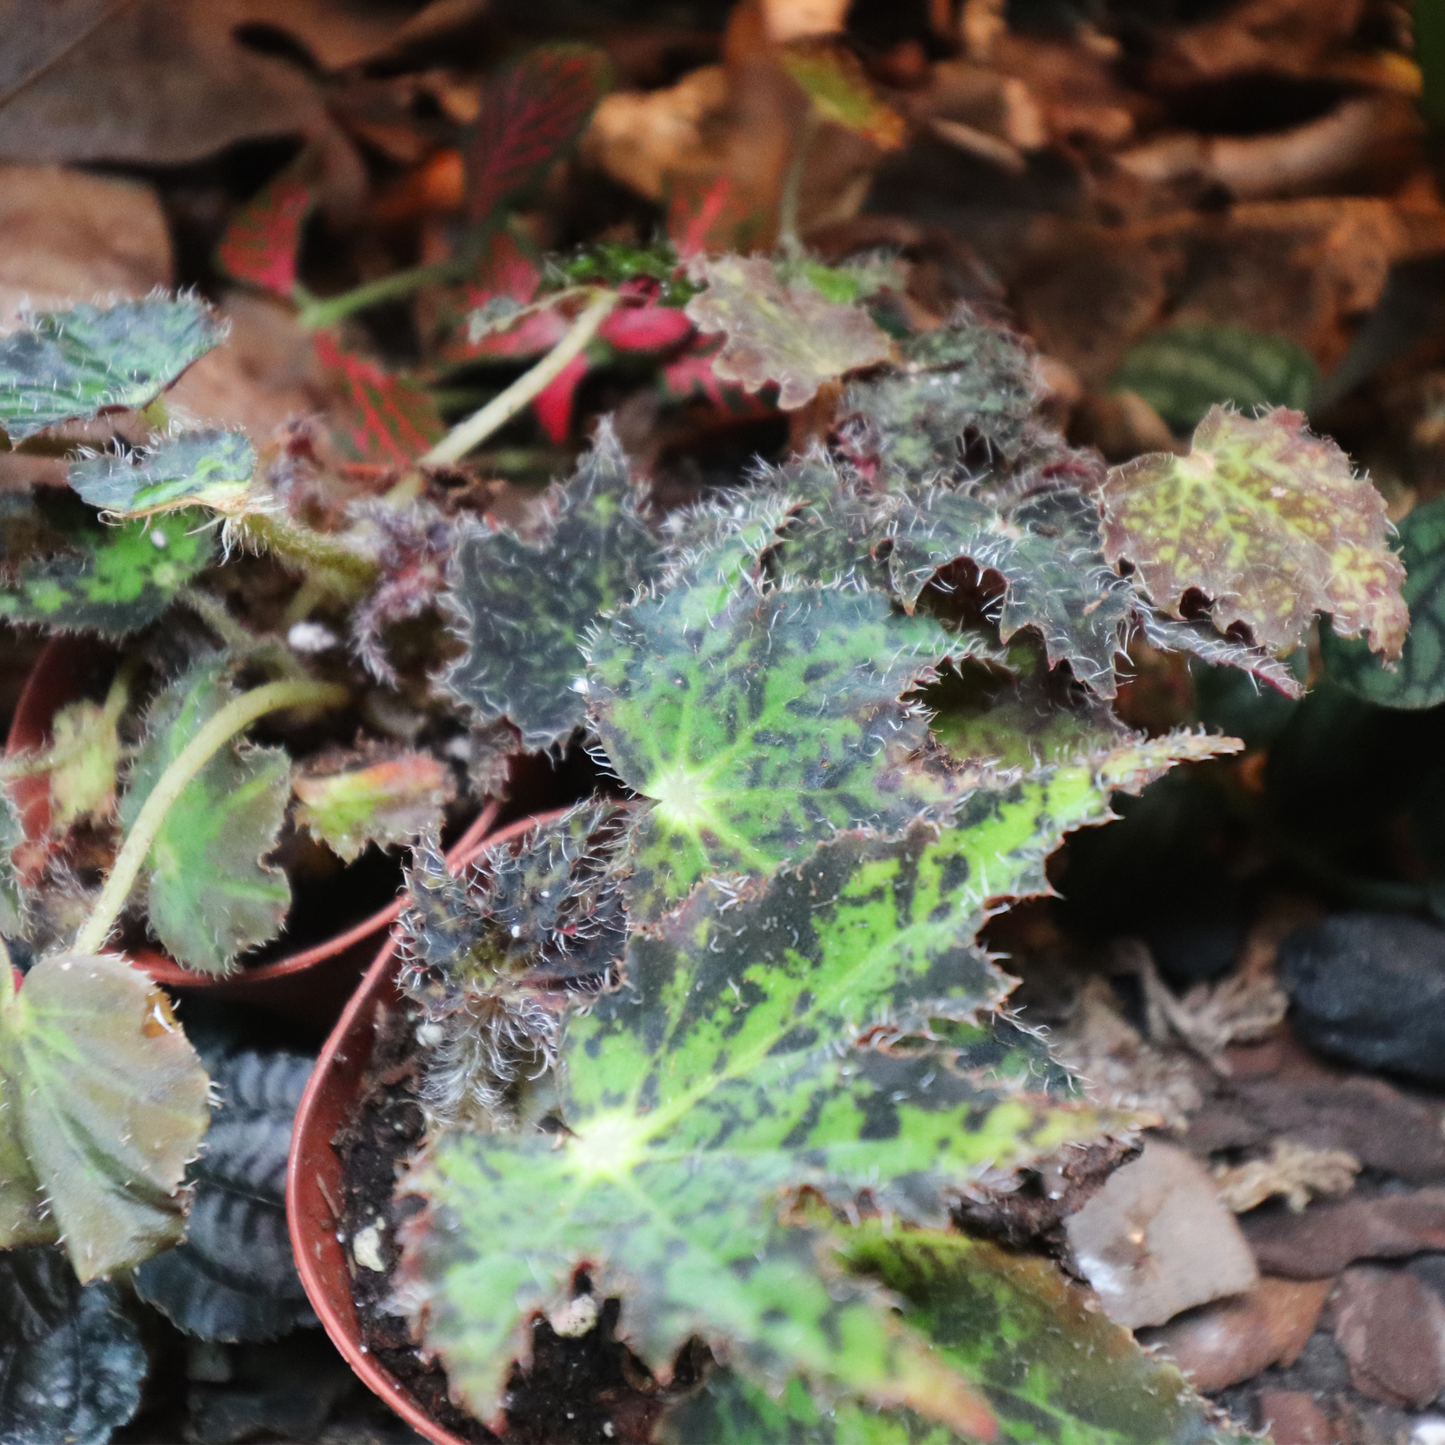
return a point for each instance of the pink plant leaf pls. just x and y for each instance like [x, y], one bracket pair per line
[554, 406]
[388, 419]
[262, 243]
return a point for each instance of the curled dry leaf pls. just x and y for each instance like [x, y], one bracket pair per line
[1266, 520]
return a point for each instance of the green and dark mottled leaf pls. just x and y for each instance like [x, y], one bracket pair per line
[208, 895]
[211, 468]
[524, 604]
[69, 364]
[12, 895]
[959, 382]
[781, 331]
[835, 531]
[1268, 522]
[233, 1278]
[386, 802]
[71, 1361]
[531, 113]
[388, 420]
[1419, 678]
[1181, 371]
[263, 241]
[1198, 636]
[1048, 550]
[761, 722]
[712, 1085]
[102, 1103]
[121, 579]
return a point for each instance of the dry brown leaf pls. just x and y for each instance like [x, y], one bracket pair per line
[1296, 1171]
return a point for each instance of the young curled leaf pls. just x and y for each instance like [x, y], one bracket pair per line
[1270, 523]
[102, 1103]
[211, 468]
[70, 364]
[834, 81]
[780, 330]
[82, 784]
[387, 802]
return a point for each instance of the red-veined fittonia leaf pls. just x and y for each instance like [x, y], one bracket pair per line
[263, 241]
[1269, 523]
[390, 420]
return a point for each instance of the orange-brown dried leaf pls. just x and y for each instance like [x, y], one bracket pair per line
[1270, 523]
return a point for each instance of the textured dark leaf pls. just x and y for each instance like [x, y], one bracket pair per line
[780, 330]
[234, 1278]
[208, 896]
[386, 801]
[390, 421]
[211, 468]
[73, 363]
[262, 243]
[1182, 371]
[120, 580]
[531, 113]
[102, 1102]
[1419, 679]
[524, 604]
[959, 382]
[713, 1083]
[1172, 634]
[1268, 522]
[1048, 550]
[71, 1362]
[761, 722]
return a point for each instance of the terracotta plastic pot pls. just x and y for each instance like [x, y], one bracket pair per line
[311, 984]
[313, 1172]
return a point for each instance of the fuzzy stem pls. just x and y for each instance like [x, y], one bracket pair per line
[218, 731]
[502, 408]
[309, 549]
[328, 310]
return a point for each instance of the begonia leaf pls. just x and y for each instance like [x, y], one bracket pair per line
[387, 801]
[1269, 523]
[104, 1102]
[779, 330]
[208, 894]
[210, 468]
[71, 364]
[12, 895]
[82, 785]
[524, 603]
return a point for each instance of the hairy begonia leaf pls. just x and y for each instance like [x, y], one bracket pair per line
[1181, 371]
[782, 331]
[491, 956]
[956, 383]
[1268, 522]
[388, 420]
[531, 113]
[233, 1277]
[68, 364]
[386, 802]
[119, 580]
[71, 1360]
[838, 533]
[211, 468]
[712, 1084]
[835, 82]
[1047, 549]
[761, 722]
[12, 895]
[82, 784]
[1419, 679]
[209, 897]
[263, 241]
[524, 603]
[1208, 644]
[104, 1102]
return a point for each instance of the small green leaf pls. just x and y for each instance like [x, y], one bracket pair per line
[387, 802]
[835, 82]
[525, 603]
[1269, 523]
[209, 896]
[208, 468]
[959, 381]
[780, 331]
[74, 363]
[1047, 549]
[1419, 679]
[1181, 371]
[104, 1102]
[82, 787]
[761, 722]
[233, 1277]
[121, 579]
[71, 1359]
